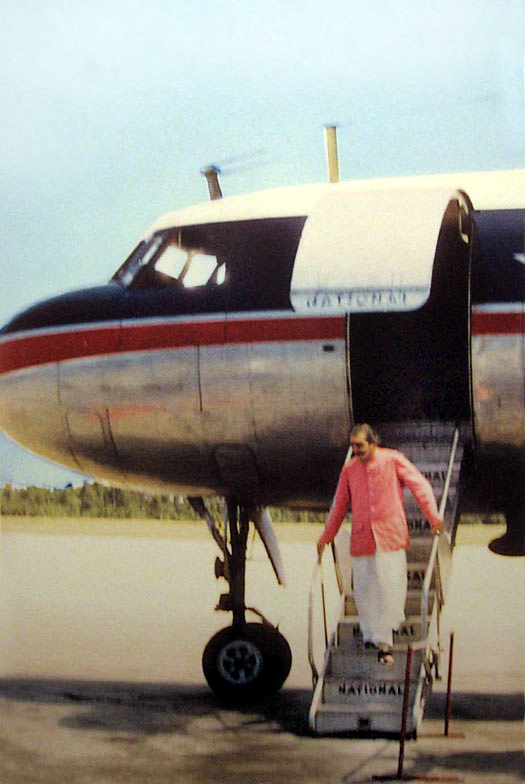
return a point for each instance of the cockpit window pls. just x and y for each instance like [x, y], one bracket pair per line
[253, 259]
[172, 261]
[163, 261]
[189, 268]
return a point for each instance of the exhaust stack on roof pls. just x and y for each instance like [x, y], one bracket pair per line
[212, 178]
[330, 133]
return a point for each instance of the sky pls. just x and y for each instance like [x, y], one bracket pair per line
[110, 110]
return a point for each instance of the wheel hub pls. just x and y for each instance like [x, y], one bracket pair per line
[240, 662]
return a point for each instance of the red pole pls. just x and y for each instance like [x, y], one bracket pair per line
[448, 710]
[408, 672]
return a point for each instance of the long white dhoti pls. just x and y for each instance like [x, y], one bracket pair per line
[380, 590]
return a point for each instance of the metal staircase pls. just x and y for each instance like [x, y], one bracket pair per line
[354, 692]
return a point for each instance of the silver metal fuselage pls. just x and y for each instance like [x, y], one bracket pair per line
[211, 411]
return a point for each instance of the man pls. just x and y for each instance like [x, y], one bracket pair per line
[372, 482]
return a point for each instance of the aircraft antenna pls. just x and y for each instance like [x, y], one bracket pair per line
[332, 158]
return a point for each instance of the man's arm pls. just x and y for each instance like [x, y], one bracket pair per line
[421, 489]
[337, 514]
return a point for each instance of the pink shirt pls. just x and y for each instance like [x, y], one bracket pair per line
[375, 491]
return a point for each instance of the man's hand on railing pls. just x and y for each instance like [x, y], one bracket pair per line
[437, 526]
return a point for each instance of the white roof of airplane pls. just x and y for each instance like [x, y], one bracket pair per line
[366, 244]
[486, 190]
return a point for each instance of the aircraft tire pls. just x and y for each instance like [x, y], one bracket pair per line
[244, 664]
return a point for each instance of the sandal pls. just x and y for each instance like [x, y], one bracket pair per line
[385, 657]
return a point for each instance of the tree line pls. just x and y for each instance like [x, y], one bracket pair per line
[95, 500]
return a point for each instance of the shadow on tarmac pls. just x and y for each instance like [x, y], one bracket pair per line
[480, 762]
[478, 707]
[151, 708]
[126, 713]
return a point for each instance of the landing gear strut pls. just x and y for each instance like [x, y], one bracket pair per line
[244, 661]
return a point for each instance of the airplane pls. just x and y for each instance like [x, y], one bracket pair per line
[234, 348]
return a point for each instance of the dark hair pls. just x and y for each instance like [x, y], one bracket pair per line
[367, 431]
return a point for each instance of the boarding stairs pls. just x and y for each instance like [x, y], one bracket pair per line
[353, 692]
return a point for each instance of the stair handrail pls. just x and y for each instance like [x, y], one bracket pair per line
[433, 554]
[317, 576]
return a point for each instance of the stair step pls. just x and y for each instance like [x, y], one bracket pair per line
[337, 718]
[416, 432]
[418, 526]
[360, 662]
[367, 693]
[429, 453]
[436, 470]
[349, 632]
[420, 549]
[416, 575]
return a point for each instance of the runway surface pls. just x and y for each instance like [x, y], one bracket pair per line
[103, 626]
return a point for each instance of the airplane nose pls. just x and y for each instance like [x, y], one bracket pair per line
[99, 303]
[33, 346]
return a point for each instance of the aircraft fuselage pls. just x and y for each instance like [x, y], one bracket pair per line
[247, 380]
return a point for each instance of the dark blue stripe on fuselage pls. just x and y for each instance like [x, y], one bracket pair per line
[114, 303]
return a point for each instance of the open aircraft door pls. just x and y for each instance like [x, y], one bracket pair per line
[394, 263]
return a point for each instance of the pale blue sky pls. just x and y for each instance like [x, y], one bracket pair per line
[110, 109]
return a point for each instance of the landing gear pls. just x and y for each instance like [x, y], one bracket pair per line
[244, 661]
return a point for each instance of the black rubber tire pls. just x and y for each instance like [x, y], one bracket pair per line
[247, 663]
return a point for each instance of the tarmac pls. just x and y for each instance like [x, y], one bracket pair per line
[67, 720]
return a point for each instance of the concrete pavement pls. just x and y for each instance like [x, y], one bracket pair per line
[100, 678]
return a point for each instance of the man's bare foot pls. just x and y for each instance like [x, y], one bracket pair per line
[384, 656]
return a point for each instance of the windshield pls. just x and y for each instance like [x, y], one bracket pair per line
[162, 261]
[252, 259]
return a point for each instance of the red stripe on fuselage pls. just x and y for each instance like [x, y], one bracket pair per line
[41, 348]
[30, 350]
[497, 323]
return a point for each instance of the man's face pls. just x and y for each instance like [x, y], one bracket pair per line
[361, 448]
